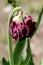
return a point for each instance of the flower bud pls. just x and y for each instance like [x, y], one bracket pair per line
[21, 29]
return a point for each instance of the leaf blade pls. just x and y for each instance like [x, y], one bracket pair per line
[29, 54]
[28, 60]
[39, 17]
[18, 50]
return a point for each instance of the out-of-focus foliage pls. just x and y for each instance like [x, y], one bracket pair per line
[4, 62]
[16, 2]
[41, 62]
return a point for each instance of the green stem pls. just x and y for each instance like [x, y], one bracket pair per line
[9, 36]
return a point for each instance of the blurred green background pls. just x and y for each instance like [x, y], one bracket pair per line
[32, 7]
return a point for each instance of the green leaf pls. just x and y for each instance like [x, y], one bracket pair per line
[18, 50]
[4, 62]
[39, 17]
[29, 60]
[29, 53]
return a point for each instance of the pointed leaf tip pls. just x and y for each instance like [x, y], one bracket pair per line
[39, 17]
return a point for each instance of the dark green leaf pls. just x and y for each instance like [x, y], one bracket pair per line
[13, 2]
[4, 62]
[30, 62]
[18, 50]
